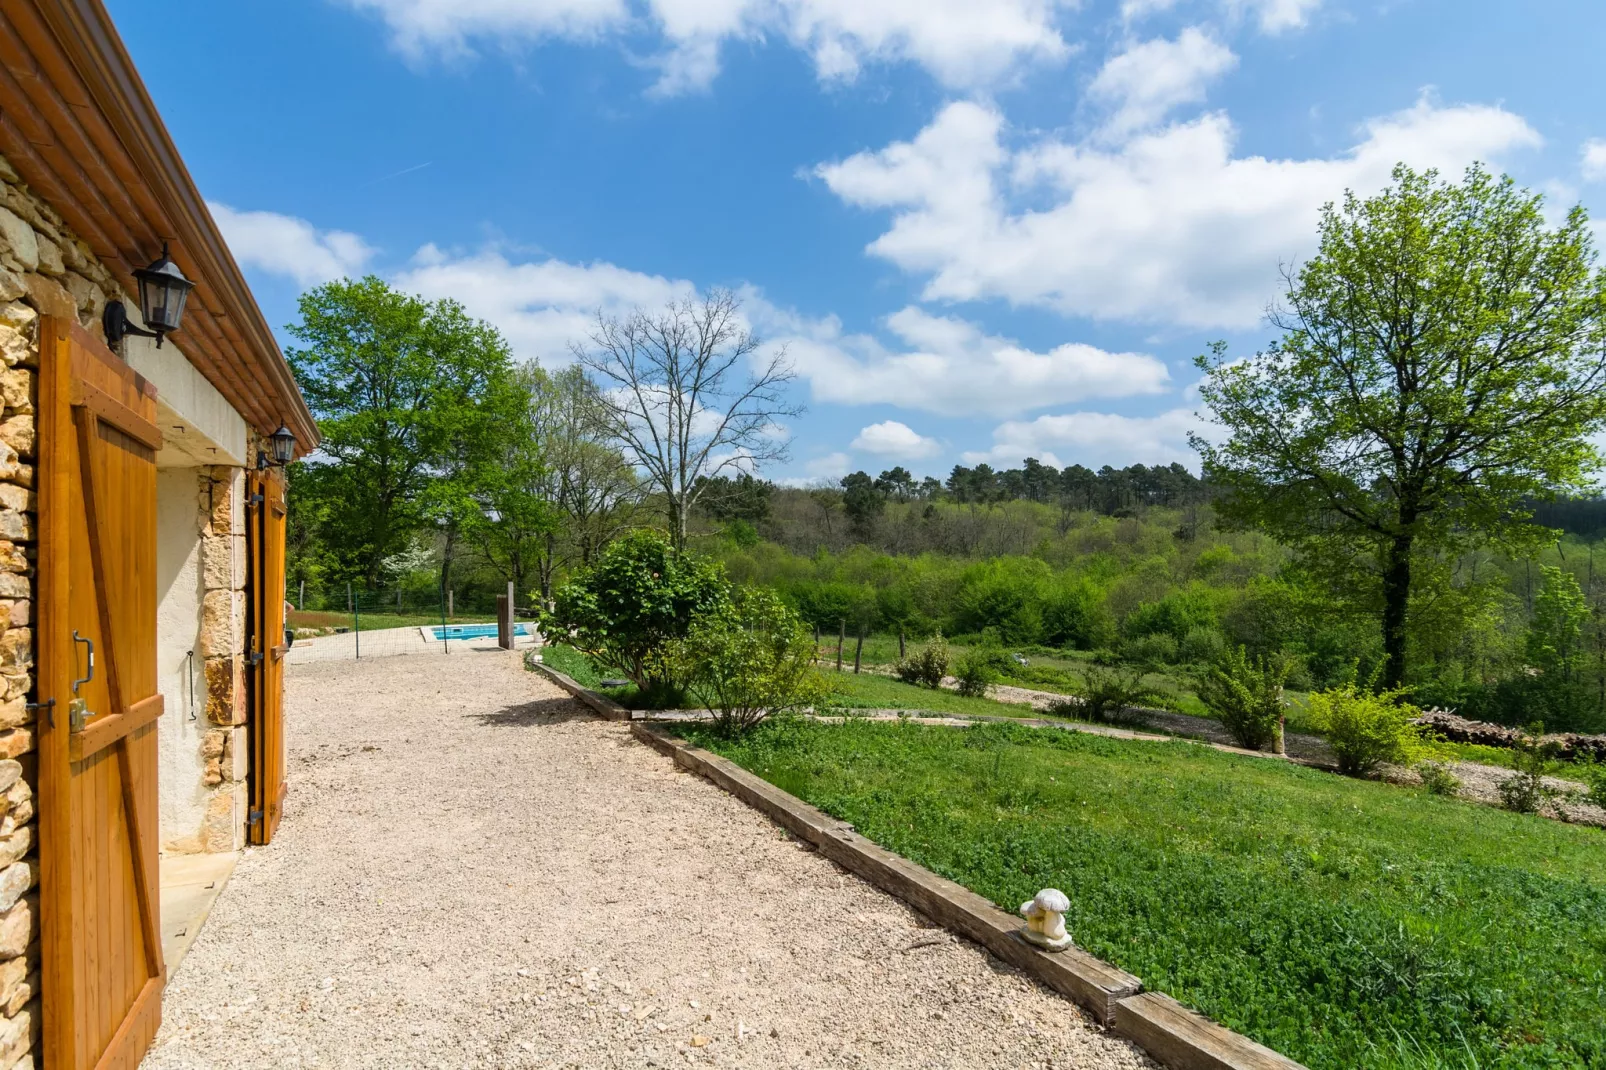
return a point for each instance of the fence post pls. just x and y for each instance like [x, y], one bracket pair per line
[451, 598]
[446, 647]
[504, 619]
[900, 644]
[858, 648]
[841, 638]
[303, 603]
[356, 622]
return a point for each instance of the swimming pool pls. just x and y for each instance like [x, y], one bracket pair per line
[476, 631]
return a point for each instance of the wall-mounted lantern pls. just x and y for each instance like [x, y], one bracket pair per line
[283, 444]
[163, 290]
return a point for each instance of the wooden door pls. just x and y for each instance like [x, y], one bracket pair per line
[265, 553]
[102, 952]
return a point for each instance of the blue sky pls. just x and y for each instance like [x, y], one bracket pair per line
[983, 230]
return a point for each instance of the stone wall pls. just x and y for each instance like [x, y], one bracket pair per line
[222, 648]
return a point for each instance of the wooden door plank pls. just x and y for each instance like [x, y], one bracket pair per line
[108, 728]
[119, 1050]
[140, 840]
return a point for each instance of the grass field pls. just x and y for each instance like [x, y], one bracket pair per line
[1345, 923]
[373, 622]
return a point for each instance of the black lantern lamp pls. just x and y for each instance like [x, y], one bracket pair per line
[163, 290]
[283, 444]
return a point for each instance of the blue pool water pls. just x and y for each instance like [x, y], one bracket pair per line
[476, 631]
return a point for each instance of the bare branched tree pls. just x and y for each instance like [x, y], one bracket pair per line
[686, 394]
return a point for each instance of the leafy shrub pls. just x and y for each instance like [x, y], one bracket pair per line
[926, 666]
[975, 673]
[1074, 616]
[1593, 774]
[1246, 695]
[1202, 645]
[1112, 695]
[1157, 648]
[1438, 779]
[1526, 791]
[631, 610]
[752, 660]
[1175, 615]
[1366, 729]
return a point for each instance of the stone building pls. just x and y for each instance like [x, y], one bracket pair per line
[141, 541]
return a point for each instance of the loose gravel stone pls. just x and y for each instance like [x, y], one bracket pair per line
[471, 872]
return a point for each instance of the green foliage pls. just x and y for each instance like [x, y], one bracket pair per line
[1441, 365]
[1112, 694]
[1341, 922]
[1593, 773]
[1246, 695]
[1557, 625]
[635, 606]
[1366, 729]
[1437, 778]
[412, 399]
[926, 666]
[1159, 648]
[980, 666]
[752, 660]
[1526, 792]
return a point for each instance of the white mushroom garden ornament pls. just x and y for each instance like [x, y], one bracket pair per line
[1045, 920]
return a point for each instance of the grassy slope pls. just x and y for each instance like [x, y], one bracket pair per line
[870, 691]
[1345, 923]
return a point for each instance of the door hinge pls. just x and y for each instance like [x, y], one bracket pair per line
[49, 706]
[253, 816]
[256, 657]
[253, 499]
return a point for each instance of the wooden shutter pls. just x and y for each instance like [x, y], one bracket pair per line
[265, 551]
[102, 952]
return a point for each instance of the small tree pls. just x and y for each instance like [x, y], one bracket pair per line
[752, 660]
[686, 397]
[927, 666]
[1441, 366]
[1556, 631]
[632, 609]
[1246, 695]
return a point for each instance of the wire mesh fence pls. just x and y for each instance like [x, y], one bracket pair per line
[372, 622]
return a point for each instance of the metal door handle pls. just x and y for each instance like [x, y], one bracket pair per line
[90, 644]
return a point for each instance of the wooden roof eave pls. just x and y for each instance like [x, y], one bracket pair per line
[78, 125]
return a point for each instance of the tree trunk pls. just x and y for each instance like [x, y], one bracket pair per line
[1396, 600]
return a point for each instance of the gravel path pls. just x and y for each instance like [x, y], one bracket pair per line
[470, 873]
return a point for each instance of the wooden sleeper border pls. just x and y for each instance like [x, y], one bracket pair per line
[1168, 1031]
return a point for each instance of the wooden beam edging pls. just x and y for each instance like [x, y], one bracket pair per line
[1168, 1031]
[604, 707]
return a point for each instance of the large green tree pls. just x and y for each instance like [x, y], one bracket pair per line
[410, 396]
[1441, 366]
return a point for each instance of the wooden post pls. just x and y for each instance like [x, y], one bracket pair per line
[900, 644]
[303, 603]
[356, 624]
[841, 638]
[451, 599]
[504, 619]
[446, 643]
[858, 648]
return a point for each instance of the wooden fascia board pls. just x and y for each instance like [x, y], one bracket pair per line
[87, 38]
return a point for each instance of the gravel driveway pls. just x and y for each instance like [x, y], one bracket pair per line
[471, 873]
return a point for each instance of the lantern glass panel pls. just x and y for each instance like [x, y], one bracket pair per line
[284, 446]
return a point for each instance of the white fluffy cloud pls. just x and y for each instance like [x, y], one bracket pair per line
[284, 245]
[960, 42]
[1093, 439]
[950, 366]
[896, 442]
[1148, 80]
[1592, 160]
[1275, 16]
[540, 306]
[1168, 226]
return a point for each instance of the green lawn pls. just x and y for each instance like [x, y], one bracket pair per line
[871, 691]
[1345, 923]
[373, 622]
